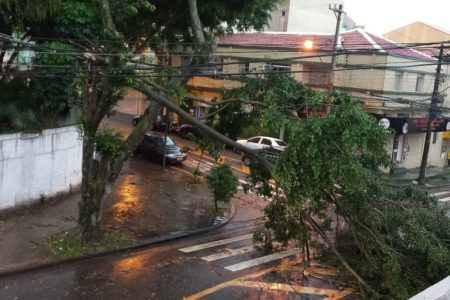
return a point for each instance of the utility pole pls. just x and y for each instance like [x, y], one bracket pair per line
[338, 12]
[431, 116]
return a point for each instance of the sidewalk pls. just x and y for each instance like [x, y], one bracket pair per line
[147, 203]
[434, 177]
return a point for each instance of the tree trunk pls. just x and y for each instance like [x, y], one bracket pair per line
[99, 175]
[88, 206]
[196, 24]
[163, 100]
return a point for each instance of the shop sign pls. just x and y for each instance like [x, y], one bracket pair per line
[412, 125]
[418, 125]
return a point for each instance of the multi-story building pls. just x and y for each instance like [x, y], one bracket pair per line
[307, 16]
[418, 32]
[393, 82]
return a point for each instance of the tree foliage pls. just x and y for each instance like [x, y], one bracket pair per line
[223, 183]
[333, 196]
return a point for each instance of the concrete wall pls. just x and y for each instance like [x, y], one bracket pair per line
[38, 165]
[439, 291]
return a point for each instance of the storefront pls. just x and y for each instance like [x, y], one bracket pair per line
[408, 140]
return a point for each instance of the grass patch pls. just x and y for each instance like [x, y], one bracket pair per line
[67, 244]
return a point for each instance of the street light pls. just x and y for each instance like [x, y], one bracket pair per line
[308, 44]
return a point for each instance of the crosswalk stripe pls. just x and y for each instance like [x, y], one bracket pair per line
[262, 260]
[216, 243]
[440, 193]
[228, 253]
[444, 199]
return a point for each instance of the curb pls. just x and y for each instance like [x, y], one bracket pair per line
[144, 243]
[408, 183]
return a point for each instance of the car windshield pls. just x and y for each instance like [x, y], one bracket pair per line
[169, 141]
[280, 143]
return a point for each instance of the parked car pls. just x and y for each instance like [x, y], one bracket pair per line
[261, 142]
[153, 145]
[271, 154]
[272, 147]
[184, 129]
[159, 124]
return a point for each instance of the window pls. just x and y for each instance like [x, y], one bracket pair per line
[419, 82]
[434, 137]
[254, 140]
[279, 68]
[219, 65]
[316, 75]
[283, 13]
[280, 143]
[266, 142]
[398, 81]
[244, 67]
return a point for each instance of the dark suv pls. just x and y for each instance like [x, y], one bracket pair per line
[153, 145]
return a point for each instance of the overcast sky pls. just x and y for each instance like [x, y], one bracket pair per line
[382, 16]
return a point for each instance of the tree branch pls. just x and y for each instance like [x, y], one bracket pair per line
[143, 88]
[107, 18]
[214, 112]
[196, 24]
[134, 138]
[317, 229]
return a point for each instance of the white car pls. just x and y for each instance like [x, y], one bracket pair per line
[261, 142]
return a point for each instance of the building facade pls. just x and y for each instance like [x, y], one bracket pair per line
[307, 16]
[393, 82]
[418, 32]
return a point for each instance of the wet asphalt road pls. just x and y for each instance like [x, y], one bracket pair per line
[159, 272]
[173, 270]
[163, 271]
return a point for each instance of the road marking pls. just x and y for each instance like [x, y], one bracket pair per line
[228, 253]
[216, 243]
[181, 170]
[293, 288]
[231, 158]
[444, 199]
[245, 169]
[439, 194]
[223, 285]
[261, 260]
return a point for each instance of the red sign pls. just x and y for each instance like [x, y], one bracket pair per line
[420, 125]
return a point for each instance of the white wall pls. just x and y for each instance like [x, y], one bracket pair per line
[38, 165]
[439, 291]
[304, 16]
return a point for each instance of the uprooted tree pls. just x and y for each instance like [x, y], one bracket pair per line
[394, 242]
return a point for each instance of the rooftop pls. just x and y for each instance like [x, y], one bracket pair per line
[356, 40]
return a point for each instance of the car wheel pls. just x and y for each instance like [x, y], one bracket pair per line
[247, 161]
[184, 134]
